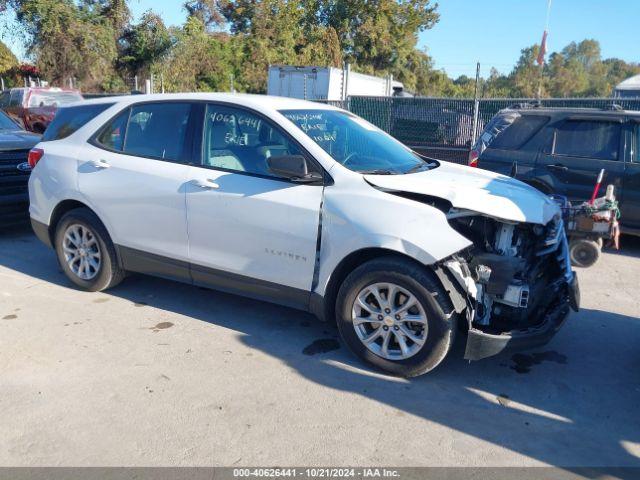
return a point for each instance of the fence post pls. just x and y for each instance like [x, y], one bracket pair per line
[305, 87]
[476, 108]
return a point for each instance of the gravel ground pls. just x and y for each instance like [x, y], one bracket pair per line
[156, 373]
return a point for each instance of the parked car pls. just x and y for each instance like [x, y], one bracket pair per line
[34, 107]
[562, 151]
[15, 144]
[309, 206]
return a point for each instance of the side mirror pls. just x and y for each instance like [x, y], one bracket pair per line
[293, 167]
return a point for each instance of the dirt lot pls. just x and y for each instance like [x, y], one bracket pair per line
[159, 373]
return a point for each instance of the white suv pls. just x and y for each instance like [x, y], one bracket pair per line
[308, 206]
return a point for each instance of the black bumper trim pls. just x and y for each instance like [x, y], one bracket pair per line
[42, 232]
[482, 345]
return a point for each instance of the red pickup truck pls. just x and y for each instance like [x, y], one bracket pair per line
[34, 107]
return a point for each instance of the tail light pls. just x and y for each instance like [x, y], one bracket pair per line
[35, 154]
[473, 158]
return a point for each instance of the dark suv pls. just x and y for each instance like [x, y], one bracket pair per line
[15, 144]
[562, 150]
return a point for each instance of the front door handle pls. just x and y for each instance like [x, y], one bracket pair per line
[207, 183]
[559, 166]
[99, 163]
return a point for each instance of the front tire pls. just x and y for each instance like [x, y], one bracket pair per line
[85, 251]
[395, 315]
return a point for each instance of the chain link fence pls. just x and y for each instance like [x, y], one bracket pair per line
[445, 128]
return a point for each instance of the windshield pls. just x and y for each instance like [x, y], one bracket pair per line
[6, 123]
[53, 99]
[355, 143]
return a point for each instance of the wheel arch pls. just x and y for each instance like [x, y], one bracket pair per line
[61, 209]
[325, 309]
[540, 185]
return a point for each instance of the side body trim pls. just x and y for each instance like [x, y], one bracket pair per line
[147, 263]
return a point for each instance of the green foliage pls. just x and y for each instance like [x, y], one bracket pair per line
[232, 42]
[7, 59]
[144, 44]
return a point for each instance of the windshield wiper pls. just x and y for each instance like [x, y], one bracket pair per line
[420, 166]
[379, 171]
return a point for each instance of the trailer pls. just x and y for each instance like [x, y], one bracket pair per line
[328, 83]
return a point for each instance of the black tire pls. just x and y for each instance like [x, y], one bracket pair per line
[109, 272]
[584, 252]
[422, 283]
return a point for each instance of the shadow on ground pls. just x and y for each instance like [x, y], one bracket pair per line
[571, 404]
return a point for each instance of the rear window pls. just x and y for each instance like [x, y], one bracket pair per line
[510, 131]
[68, 120]
[53, 99]
[519, 132]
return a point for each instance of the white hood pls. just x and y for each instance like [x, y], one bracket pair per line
[475, 189]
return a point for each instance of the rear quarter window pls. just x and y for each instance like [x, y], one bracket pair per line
[69, 119]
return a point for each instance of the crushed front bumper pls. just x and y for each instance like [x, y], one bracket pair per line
[481, 345]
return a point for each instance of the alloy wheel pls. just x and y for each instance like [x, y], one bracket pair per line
[81, 251]
[389, 320]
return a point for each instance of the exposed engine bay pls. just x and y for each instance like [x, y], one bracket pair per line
[515, 276]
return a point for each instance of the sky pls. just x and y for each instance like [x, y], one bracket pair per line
[492, 31]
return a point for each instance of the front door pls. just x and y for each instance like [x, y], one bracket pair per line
[249, 230]
[134, 175]
[578, 149]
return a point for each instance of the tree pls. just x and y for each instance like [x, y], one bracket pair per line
[144, 44]
[7, 59]
[527, 75]
[67, 39]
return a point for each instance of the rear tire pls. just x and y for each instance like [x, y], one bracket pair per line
[85, 251]
[409, 282]
[584, 252]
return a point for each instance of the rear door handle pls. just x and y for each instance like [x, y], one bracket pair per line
[207, 183]
[99, 163]
[559, 166]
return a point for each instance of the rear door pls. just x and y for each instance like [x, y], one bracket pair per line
[133, 172]
[630, 199]
[578, 148]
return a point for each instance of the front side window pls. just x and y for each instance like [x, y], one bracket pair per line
[238, 140]
[588, 138]
[156, 130]
[355, 143]
[69, 119]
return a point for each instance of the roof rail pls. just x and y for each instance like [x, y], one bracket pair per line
[525, 105]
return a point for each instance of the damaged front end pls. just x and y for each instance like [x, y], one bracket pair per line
[515, 284]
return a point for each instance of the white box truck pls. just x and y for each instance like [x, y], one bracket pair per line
[327, 83]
